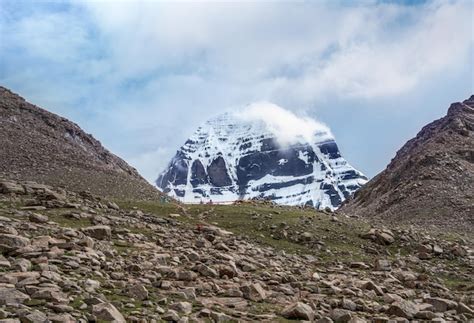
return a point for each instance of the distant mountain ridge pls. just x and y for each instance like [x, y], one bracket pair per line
[431, 178]
[40, 146]
[228, 159]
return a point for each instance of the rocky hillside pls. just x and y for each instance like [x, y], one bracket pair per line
[40, 146]
[68, 257]
[431, 178]
[229, 158]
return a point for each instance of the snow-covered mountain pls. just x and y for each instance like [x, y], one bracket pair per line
[262, 151]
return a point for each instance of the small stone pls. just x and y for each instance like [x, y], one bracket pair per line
[4, 263]
[207, 271]
[369, 285]
[10, 242]
[171, 316]
[12, 296]
[186, 275]
[193, 256]
[91, 285]
[325, 320]
[100, 232]
[390, 298]
[349, 305]
[219, 317]
[463, 308]
[253, 292]
[425, 248]
[7, 187]
[38, 218]
[340, 316]
[138, 291]
[437, 249]
[182, 307]
[459, 251]
[22, 265]
[403, 308]
[166, 284]
[34, 317]
[205, 312]
[228, 270]
[300, 311]
[359, 265]
[424, 255]
[441, 304]
[306, 236]
[382, 265]
[107, 312]
[357, 320]
[425, 315]
[50, 294]
[385, 238]
[113, 206]
[61, 318]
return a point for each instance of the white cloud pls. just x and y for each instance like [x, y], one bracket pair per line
[285, 125]
[304, 50]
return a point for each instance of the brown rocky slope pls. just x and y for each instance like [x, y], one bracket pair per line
[68, 257]
[40, 146]
[431, 178]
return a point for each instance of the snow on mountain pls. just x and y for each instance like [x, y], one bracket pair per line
[262, 151]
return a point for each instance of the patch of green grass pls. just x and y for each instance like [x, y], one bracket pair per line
[255, 222]
[122, 247]
[456, 282]
[154, 207]
[264, 308]
[145, 231]
[77, 302]
[116, 296]
[58, 216]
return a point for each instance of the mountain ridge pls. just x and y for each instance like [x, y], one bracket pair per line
[41, 146]
[430, 179]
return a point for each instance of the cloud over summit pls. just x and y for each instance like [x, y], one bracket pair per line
[284, 124]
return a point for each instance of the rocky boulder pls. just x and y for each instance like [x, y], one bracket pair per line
[99, 232]
[300, 311]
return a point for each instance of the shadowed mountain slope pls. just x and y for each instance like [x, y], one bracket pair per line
[431, 178]
[40, 146]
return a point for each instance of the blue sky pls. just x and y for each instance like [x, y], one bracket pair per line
[141, 76]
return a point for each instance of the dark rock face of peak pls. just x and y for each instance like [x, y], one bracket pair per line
[229, 159]
[40, 146]
[431, 178]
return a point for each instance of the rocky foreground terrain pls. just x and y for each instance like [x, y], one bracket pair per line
[73, 257]
[41, 146]
[431, 178]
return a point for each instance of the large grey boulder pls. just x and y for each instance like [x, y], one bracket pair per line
[12, 296]
[299, 311]
[10, 242]
[403, 308]
[107, 312]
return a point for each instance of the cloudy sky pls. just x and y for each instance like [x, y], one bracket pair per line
[141, 76]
